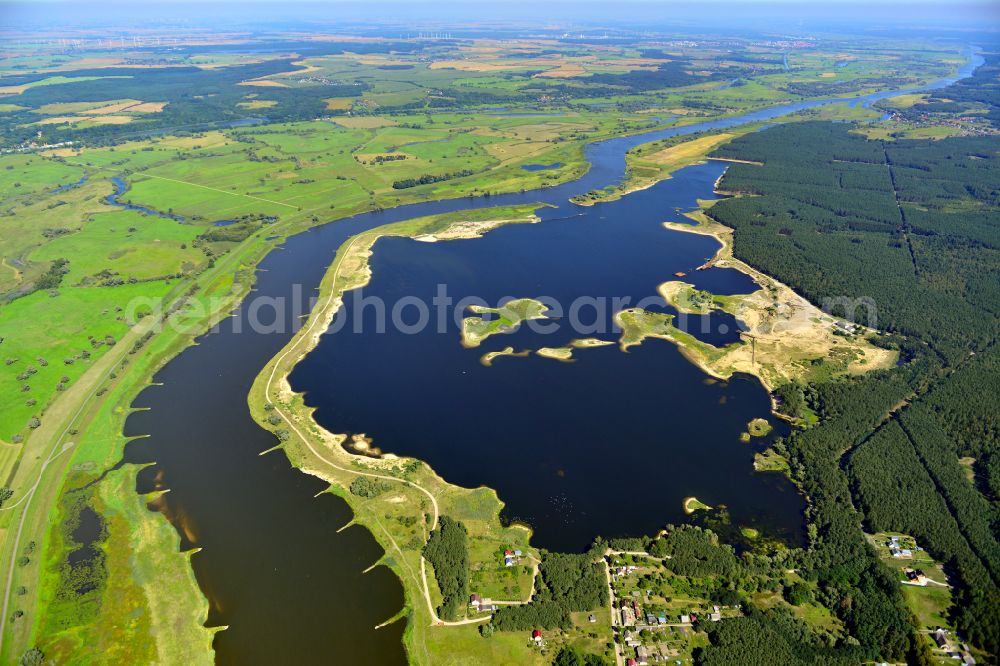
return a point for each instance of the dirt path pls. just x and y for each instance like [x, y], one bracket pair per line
[619, 658]
[319, 316]
[65, 418]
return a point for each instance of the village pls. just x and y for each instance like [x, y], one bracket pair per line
[928, 593]
[646, 627]
[649, 627]
[660, 617]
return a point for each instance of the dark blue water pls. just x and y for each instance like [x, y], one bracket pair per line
[70, 186]
[274, 567]
[120, 188]
[541, 167]
[115, 200]
[543, 432]
[246, 122]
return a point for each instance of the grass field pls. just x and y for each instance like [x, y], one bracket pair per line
[94, 408]
[129, 243]
[931, 603]
[89, 318]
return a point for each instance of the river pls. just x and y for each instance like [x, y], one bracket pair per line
[272, 563]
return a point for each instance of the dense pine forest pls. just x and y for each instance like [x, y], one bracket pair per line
[897, 235]
[903, 235]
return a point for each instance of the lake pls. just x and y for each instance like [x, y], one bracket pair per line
[608, 444]
[275, 569]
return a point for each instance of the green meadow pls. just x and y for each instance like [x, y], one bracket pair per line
[68, 332]
[22, 175]
[128, 243]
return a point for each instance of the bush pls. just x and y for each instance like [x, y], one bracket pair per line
[365, 486]
[797, 594]
[33, 657]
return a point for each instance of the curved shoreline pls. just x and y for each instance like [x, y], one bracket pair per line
[336, 465]
[176, 353]
[262, 391]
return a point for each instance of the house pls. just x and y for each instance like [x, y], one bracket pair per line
[662, 619]
[896, 550]
[916, 577]
[592, 618]
[508, 561]
[536, 635]
[715, 617]
[630, 662]
[940, 637]
[685, 619]
[968, 659]
[487, 607]
[517, 553]
[475, 600]
[641, 655]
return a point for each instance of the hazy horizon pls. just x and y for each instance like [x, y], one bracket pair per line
[642, 15]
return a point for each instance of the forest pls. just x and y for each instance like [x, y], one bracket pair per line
[773, 637]
[447, 550]
[911, 226]
[863, 228]
[196, 98]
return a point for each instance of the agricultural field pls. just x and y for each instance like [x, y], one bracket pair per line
[105, 95]
[71, 249]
